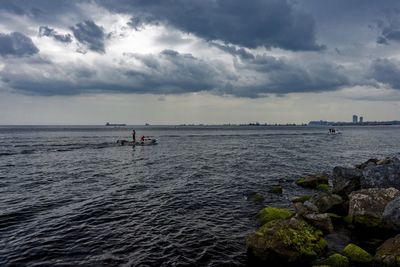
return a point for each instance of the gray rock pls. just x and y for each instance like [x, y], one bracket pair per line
[320, 221]
[388, 254]
[346, 180]
[368, 163]
[391, 214]
[337, 241]
[384, 175]
[366, 206]
[327, 202]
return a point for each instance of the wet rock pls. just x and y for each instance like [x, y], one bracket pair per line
[323, 187]
[286, 241]
[301, 199]
[356, 254]
[312, 181]
[388, 254]
[338, 241]
[336, 260]
[345, 180]
[256, 197]
[388, 160]
[304, 208]
[327, 202]
[391, 214]
[386, 174]
[320, 221]
[368, 163]
[269, 214]
[276, 190]
[366, 206]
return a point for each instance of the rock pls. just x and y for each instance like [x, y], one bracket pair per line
[366, 206]
[286, 241]
[368, 163]
[304, 208]
[336, 260]
[391, 214]
[327, 202]
[301, 199]
[356, 254]
[346, 180]
[312, 181]
[269, 214]
[276, 190]
[388, 160]
[323, 187]
[337, 241]
[384, 175]
[256, 197]
[388, 254]
[320, 221]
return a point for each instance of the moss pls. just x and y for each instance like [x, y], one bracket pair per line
[276, 190]
[312, 181]
[369, 221]
[303, 238]
[301, 199]
[323, 187]
[268, 214]
[336, 260]
[356, 254]
[256, 197]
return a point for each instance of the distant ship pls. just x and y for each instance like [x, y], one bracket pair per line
[115, 124]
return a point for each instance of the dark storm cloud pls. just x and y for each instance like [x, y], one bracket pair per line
[90, 34]
[386, 71]
[168, 72]
[49, 32]
[389, 27]
[266, 23]
[16, 44]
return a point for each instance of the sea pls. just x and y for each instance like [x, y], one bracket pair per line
[70, 196]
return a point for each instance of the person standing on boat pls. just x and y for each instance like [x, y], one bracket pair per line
[134, 136]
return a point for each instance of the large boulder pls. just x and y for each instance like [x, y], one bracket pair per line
[391, 214]
[388, 254]
[356, 254]
[269, 214]
[366, 206]
[282, 242]
[345, 180]
[384, 175]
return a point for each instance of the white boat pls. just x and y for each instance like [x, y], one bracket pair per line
[333, 131]
[147, 141]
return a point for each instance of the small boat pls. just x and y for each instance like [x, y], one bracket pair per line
[333, 131]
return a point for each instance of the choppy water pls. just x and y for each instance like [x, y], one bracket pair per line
[70, 197]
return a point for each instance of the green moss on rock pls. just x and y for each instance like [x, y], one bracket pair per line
[336, 260]
[276, 190]
[323, 187]
[356, 254]
[312, 181]
[256, 197]
[268, 214]
[290, 240]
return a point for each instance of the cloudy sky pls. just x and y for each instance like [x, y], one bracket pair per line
[198, 61]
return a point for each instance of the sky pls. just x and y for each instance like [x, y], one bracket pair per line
[198, 61]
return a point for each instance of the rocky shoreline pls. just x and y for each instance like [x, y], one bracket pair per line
[352, 219]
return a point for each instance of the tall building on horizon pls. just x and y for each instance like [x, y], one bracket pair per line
[361, 119]
[355, 118]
